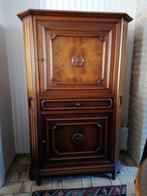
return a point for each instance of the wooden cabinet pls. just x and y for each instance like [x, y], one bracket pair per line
[74, 65]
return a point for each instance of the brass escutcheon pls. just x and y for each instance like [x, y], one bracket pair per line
[78, 60]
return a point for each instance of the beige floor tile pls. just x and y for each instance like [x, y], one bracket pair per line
[11, 188]
[130, 189]
[8, 178]
[11, 194]
[23, 194]
[22, 160]
[57, 183]
[24, 177]
[100, 181]
[86, 181]
[13, 169]
[126, 157]
[26, 187]
[22, 168]
[46, 185]
[116, 181]
[126, 179]
[72, 182]
[132, 170]
[14, 178]
[124, 171]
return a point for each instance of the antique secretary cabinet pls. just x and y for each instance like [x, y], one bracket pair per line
[74, 63]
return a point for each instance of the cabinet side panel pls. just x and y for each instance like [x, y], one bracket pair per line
[31, 88]
[120, 82]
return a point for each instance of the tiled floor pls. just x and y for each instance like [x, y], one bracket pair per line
[17, 182]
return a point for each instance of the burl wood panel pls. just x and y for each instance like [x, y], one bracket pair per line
[66, 72]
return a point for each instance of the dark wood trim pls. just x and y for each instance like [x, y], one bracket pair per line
[74, 14]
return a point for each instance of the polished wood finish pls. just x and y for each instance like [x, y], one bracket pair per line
[74, 63]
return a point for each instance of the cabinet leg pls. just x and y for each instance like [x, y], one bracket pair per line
[38, 180]
[37, 177]
[31, 173]
[34, 175]
[114, 175]
[116, 170]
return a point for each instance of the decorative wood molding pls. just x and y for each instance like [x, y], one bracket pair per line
[101, 38]
[44, 59]
[77, 60]
[109, 58]
[59, 153]
[76, 104]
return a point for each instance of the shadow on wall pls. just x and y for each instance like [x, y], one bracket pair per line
[137, 96]
[7, 146]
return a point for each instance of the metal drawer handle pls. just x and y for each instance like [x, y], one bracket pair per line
[77, 104]
[77, 138]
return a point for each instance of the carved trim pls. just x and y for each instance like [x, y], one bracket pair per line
[87, 153]
[100, 137]
[78, 60]
[99, 125]
[99, 81]
[101, 38]
[109, 58]
[106, 136]
[81, 152]
[103, 62]
[77, 102]
[103, 59]
[44, 59]
[51, 59]
[120, 53]
[52, 36]
[77, 138]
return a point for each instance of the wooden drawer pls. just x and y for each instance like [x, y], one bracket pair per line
[79, 138]
[76, 104]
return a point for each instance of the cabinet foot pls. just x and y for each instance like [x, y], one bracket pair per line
[31, 173]
[38, 181]
[114, 175]
[34, 175]
[116, 170]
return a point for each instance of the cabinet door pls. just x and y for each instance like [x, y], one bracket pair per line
[79, 138]
[76, 56]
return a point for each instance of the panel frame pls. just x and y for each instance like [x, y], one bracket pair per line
[51, 124]
[47, 92]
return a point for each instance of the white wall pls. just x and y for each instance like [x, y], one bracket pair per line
[16, 59]
[14, 43]
[138, 96]
[7, 148]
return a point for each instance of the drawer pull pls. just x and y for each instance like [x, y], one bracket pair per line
[77, 104]
[77, 138]
[30, 102]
